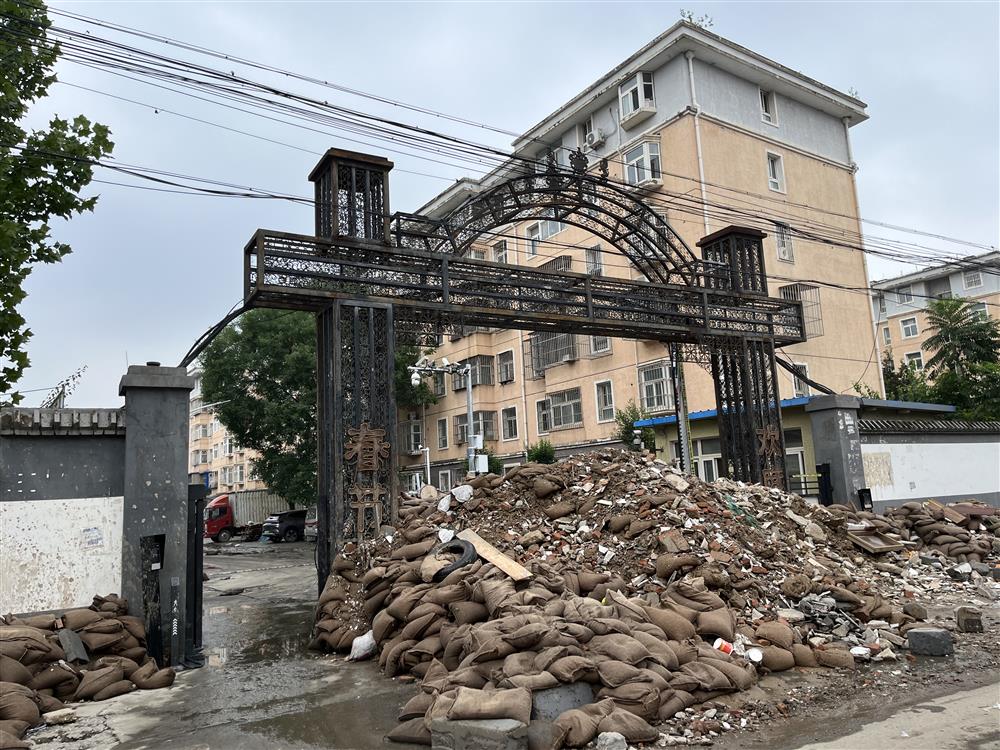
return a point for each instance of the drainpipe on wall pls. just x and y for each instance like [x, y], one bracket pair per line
[864, 257]
[524, 393]
[697, 139]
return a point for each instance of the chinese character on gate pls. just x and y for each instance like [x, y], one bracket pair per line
[367, 446]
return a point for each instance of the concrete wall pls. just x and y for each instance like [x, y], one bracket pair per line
[942, 467]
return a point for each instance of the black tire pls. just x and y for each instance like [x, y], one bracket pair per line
[223, 536]
[291, 535]
[465, 549]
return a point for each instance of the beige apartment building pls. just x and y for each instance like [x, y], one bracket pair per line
[710, 134]
[900, 303]
[223, 464]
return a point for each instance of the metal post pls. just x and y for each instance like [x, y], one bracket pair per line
[470, 451]
[680, 409]
[427, 463]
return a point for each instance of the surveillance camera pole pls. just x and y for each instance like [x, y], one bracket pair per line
[466, 372]
[470, 450]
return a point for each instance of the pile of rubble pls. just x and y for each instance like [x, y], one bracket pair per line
[647, 591]
[81, 654]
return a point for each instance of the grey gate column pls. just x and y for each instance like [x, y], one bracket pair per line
[356, 405]
[746, 383]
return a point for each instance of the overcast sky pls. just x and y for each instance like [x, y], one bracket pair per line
[151, 271]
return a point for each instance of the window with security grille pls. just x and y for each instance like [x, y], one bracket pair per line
[605, 401]
[783, 238]
[548, 349]
[477, 253]
[437, 384]
[505, 367]
[562, 263]
[542, 416]
[483, 423]
[972, 279]
[481, 374]
[655, 389]
[442, 425]
[600, 345]
[508, 422]
[812, 313]
[566, 408]
[595, 261]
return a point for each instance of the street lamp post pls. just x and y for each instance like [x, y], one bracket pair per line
[422, 368]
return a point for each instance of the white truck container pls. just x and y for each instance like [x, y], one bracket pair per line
[240, 513]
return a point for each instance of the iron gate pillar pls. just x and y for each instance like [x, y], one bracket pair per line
[356, 405]
[746, 383]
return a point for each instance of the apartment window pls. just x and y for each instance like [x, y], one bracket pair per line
[560, 263]
[767, 111]
[775, 173]
[437, 384]
[412, 435]
[978, 309]
[636, 94]
[783, 239]
[800, 386]
[216, 450]
[542, 415]
[239, 473]
[915, 359]
[508, 422]
[655, 388]
[482, 372]
[483, 423]
[972, 279]
[444, 480]
[909, 327]
[548, 349]
[566, 408]
[595, 261]
[605, 401]
[642, 163]
[600, 345]
[886, 336]
[412, 481]
[442, 428]
[881, 303]
[500, 251]
[229, 446]
[904, 294]
[477, 253]
[812, 312]
[586, 128]
[539, 232]
[505, 367]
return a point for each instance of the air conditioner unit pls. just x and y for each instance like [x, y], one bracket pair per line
[569, 358]
[413, 452]
[595, 138]
[645, 186]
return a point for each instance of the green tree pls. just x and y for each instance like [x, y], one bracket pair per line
[261, 370]
[905, 383]
[41, 172]
[626, 419]
[542, 452]
[961, 336]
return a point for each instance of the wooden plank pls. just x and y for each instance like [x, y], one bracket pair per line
[947, 513]
[874, 542]
[492, 555]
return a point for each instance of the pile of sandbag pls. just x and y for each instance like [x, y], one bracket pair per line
[920, 522]
[37, 676]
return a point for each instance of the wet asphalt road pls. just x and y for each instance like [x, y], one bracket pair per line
[260, 687]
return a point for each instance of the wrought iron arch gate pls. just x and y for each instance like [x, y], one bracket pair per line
[372, 277]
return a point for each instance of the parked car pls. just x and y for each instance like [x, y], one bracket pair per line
[288, 526]
[311, 520]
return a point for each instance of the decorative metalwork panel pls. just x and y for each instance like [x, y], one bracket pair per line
[734, 260]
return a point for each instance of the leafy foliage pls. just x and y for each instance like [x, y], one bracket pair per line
[262, 372]
[906, 383]
[542, 452]
[961, 336]
[494, 462]
[626, 419]
[41, 172]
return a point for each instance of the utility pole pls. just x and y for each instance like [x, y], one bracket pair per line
[425, 367]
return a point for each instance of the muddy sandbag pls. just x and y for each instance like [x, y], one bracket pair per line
[107, 625]
[393, 652]
[13, 671]
[527, 635]
[126, 665]
[467, 612]
[640, 698]
[632, 727]
[777, 633]
[620, 647]
[667, 563]
[532, 682]
[742, 677]
[658, 648]
[707, 676]
[15, 706]
[114, 689]
[159, 679]
[672, 624]
[717, 622]
[382, 625]
[53, 675]
[445, 595]
[48, 703]
[135, 626]
[138, 655]
[804, 656]
[495, 592]
[413, 551]
[415, 629]
[778, 659]
[101, 641]
[14, 727]
[579, 725]
[94, 681]
[10, 741]
[835, 658]
[414, 731]
[514, 703]
[78, 619]
[573, 669]
[685, 651]
[416, 707]
[615, 673]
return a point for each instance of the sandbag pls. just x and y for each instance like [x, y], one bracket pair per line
[621, 647]
[77, 619]
[777, 633]
[414, 731]
[804, 656]
[672, 624]
[778, 659]
[11, 742]
[114, 689]
[572, 669]
[467, 612]
[540, 681]
[95, 681]
[14, 727]
[632, 727]
[640, 698]
[159, 679]
[52, 676]
[48, 703]
[514, 703]
[416, 707]
[13, 671]
[125, 664]
[836, 658]
[579, 725]
[717, 622]
[18, 707]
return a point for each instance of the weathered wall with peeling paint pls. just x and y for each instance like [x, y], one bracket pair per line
[59, 553]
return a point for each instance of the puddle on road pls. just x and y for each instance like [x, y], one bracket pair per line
[257, 632]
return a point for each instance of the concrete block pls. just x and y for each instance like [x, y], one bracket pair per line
[914, 610]
[611, 741]
[930, 641]
[479, 734]
[550, 703]
[969, 619]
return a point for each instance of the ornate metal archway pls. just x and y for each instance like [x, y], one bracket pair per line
[371, 276]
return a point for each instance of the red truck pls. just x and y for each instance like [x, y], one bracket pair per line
[240, 514]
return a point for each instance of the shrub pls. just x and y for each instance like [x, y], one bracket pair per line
[542, 452]
[626, 419]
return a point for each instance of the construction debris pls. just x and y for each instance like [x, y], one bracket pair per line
[656, 591]
[48, 660]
